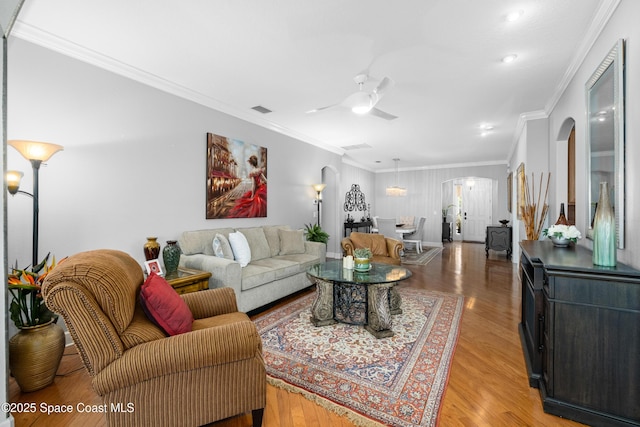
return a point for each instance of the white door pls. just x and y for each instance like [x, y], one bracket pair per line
[476, 209]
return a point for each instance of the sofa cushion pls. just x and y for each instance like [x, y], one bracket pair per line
[222, 247]
[257, 243]
[164, 306]
[200, 241]
[304, 261]
[240, 247]
[291, 242]
[375, 242]
[272, 233]
[256, 275]
[281, 267]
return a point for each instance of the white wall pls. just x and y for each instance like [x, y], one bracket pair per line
[134, 159]
[424, 194]
[623, 24]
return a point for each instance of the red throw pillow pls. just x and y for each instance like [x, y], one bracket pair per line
[164, 306]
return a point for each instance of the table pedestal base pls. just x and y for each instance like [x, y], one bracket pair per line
[322, 307]
[382, 301]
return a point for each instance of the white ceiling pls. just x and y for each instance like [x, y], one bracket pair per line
[292, 56]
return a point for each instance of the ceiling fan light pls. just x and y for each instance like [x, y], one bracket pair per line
[362, 103]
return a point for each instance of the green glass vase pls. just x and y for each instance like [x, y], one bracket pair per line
[604, 231]
[171, 256]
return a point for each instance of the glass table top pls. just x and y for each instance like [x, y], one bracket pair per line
[380, 273]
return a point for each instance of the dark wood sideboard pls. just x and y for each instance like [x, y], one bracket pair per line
[580, 333]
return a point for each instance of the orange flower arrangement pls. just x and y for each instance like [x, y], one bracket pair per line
[27, 307]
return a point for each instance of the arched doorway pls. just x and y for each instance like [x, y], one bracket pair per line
[566, 168]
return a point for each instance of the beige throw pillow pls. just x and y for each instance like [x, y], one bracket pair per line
[291, 242]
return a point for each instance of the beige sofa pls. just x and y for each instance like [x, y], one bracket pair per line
[279, 261]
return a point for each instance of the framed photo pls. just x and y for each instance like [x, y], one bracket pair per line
[520, 177]
[509, 191]
[153, 266]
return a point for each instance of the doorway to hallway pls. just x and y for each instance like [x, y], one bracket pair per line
[467, 204]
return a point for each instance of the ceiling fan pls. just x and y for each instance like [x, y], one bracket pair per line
[363, 102]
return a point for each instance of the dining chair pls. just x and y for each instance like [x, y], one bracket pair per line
[416, 237]
[387, 227]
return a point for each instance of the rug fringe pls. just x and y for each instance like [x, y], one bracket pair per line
[357, 419]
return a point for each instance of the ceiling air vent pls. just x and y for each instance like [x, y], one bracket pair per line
[261, 109]
[355, 147]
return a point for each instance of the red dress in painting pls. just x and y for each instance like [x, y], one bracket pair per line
[253, 203]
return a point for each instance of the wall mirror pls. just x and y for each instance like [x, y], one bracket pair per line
[605, 135]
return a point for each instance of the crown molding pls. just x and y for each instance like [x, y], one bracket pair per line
[57, 44]
[600, 20]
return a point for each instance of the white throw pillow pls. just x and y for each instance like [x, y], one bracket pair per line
[240, 247]
[221, 247]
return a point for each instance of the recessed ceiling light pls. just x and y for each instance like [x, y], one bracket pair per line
[509, 58]
[485, 126]
[514, 16]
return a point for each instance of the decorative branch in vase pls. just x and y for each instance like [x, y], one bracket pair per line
[534, 211]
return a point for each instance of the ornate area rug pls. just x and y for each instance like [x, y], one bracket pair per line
[396, 381]
[423, 258]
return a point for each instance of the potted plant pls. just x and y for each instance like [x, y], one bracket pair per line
[315, 233]
[362, 259]
[35, 351]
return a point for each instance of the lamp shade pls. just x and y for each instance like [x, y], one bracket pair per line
[13, 181]
[319, 187]
[35, 150]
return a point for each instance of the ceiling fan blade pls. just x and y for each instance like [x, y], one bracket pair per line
[316, 110]
[384, 86]
[383, 115]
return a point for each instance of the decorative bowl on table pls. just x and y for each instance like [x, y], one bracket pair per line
[504, 222]
[560, 242]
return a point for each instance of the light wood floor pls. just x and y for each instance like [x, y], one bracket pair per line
[487, 384]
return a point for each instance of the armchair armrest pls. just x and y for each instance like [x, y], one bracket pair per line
[211, 302]
[394, 248]
[185, 352]
[347, 246]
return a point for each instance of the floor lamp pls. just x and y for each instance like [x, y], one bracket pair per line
[37, 153]
[319, 188]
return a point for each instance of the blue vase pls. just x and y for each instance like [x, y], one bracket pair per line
[604, 231]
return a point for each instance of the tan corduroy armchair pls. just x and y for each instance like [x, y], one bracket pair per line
[384, 249]
[213, 372]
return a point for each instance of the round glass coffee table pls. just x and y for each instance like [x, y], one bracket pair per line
[359, 298]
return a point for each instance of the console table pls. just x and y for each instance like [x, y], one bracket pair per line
[356, 226]
[498, 238]
[579, 333]
[446, 231]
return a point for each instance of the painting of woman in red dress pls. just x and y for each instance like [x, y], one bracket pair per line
[253, 203]
[236, 178]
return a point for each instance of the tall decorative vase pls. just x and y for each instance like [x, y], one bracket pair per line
[562, 219]
[34, 355]
[171, 256]
[604, 231]
[151, 248]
